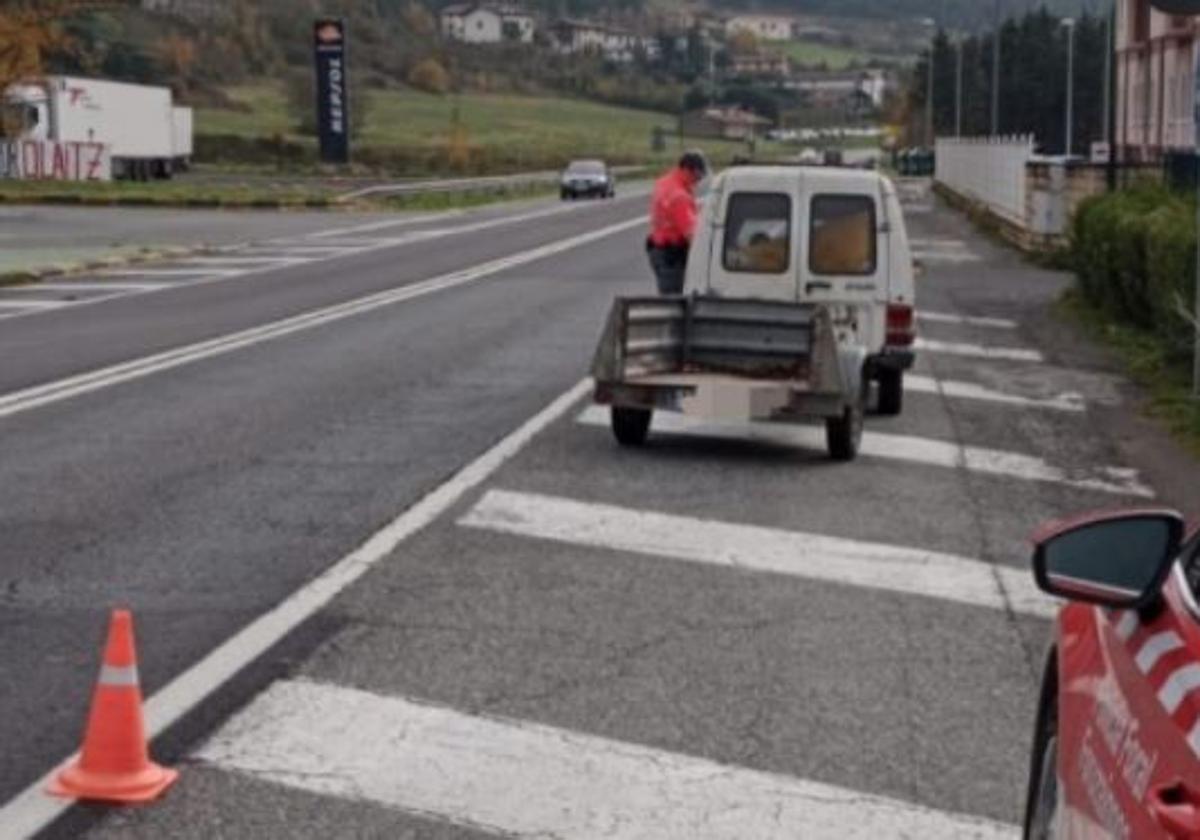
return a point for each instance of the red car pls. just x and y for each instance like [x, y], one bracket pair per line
[1116, 749]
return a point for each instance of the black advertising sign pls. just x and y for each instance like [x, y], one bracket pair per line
[333, 101]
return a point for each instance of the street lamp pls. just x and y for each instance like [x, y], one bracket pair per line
[958, 91]
[996, 68]
[1069, 25]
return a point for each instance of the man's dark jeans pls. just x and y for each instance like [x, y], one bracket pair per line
[670, 266]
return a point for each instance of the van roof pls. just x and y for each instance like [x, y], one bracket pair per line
[867, 178]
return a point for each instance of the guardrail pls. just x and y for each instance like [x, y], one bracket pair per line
[485, 184]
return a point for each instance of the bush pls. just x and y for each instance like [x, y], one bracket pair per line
[429, 76]
[1134, 253]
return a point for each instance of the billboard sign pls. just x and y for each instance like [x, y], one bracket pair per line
[333, 100]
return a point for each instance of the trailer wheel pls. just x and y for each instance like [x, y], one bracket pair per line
[843, 435]
[631, 426]
[891, 392]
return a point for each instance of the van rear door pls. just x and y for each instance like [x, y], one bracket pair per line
[846, 250]
[753, 239]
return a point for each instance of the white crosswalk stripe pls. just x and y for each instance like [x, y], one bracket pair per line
[520, 779]
[907, 571]
[926, 451]
[970, 391]
[965, 320]
[980, 351]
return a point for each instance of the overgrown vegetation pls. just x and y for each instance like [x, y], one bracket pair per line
[1033, 87]
[1134, 253]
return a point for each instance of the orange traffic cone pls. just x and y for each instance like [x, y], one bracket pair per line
[114, 765]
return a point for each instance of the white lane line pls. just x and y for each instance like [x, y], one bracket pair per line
[970, 391]
[41, 395]
[1015, 354]
[936, 453]
[890, 568]
[383, 225]
[948, 257]
[15, 303]
[171, 272]
[965, 320]
[522, 779]
[115, 286]
[208, 277]
[32, 810]
[235, 260]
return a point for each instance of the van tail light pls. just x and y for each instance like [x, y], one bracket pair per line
[901, 325]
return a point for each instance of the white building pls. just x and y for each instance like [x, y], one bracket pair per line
[484, 23]
[763, 27]
[619, 45]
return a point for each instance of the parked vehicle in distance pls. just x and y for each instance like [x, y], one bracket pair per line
[147, 135]
[799, 292]
[587, 179]
[834, 157]
[1116, 747]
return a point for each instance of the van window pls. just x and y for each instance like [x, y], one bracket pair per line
[842, 235]
[758, 233]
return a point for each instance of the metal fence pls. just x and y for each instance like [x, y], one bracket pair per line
[990, 170]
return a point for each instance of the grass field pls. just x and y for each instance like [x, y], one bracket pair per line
[525, 131]
[810, 53]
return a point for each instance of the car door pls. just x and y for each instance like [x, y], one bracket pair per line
[1129, 718]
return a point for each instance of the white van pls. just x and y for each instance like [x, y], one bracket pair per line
[799, 293]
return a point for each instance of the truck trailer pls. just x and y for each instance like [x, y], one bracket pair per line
[147, 136]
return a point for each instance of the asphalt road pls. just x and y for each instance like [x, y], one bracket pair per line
[723, 634]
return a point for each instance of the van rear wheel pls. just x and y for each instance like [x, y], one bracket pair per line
[631, 426]
[891, 392]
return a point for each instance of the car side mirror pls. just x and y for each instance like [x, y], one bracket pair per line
[1117, 560]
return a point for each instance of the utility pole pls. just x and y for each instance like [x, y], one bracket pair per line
[929, 98]
[1068, 144]
[958, 91]
[996, 68]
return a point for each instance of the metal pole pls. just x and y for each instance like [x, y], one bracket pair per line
[1107, 76]
[929, 99]
[1071, 88]
[1196, 348]
[996, 68]
[958, 92]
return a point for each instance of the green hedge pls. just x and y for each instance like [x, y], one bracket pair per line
[1135, 255]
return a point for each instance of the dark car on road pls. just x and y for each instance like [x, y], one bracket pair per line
[587, 179]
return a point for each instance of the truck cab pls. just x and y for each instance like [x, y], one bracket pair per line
[828, 236]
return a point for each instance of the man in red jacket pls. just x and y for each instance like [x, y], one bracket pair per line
[673, 221]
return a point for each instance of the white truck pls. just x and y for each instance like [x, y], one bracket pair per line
[799, 294]
[145, 134]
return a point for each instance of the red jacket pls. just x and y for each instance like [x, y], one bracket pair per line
[673, 210]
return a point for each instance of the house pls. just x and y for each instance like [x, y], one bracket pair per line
[723, 123]
[614, 43]
[196, 10]
[763, 27]
[853, 90]
[485, 23]
[1155, 63]
[760, 65]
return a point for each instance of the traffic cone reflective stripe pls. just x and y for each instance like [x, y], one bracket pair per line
[114, 764]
